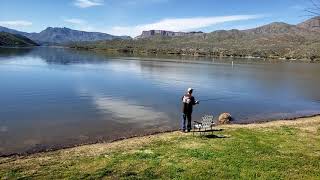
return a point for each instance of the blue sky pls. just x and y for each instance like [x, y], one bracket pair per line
[130, 17]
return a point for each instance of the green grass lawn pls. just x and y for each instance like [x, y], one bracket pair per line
[277, 150]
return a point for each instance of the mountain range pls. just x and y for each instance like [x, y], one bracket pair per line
[56, 36]
[275, 40]
[312, 24]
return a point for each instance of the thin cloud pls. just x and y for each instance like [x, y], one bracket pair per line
[87, 3]
[139, 2]
[79, 24]
[75, 21]
[18, 23]
[180, 24]
[298, 7]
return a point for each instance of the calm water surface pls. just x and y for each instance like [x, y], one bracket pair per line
[51, 97]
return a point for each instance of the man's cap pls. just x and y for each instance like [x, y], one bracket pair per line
[190, 89]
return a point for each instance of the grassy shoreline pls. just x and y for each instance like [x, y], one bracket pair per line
[278, 149]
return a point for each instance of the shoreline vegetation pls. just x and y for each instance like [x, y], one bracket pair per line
[194, 56]
[277, 149]
[310, 54]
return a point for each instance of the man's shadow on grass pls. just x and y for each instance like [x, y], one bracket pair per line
[212, 136]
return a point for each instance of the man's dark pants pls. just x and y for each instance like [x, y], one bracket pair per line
[186, 117]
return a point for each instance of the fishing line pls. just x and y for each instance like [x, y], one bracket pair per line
[215, 99]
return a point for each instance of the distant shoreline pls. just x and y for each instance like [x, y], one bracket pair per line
[146, 53]
[157, 55]
[165, 57]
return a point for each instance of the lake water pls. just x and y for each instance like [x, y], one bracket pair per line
[53, 97]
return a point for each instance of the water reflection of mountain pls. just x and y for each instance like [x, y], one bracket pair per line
[65, 56]
[10, 52]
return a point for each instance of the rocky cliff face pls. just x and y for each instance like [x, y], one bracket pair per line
[163, 33]
[311, 24]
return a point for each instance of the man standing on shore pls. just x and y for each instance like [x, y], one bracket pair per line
[188, 102]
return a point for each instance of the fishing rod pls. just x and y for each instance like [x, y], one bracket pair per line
[215, 99]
